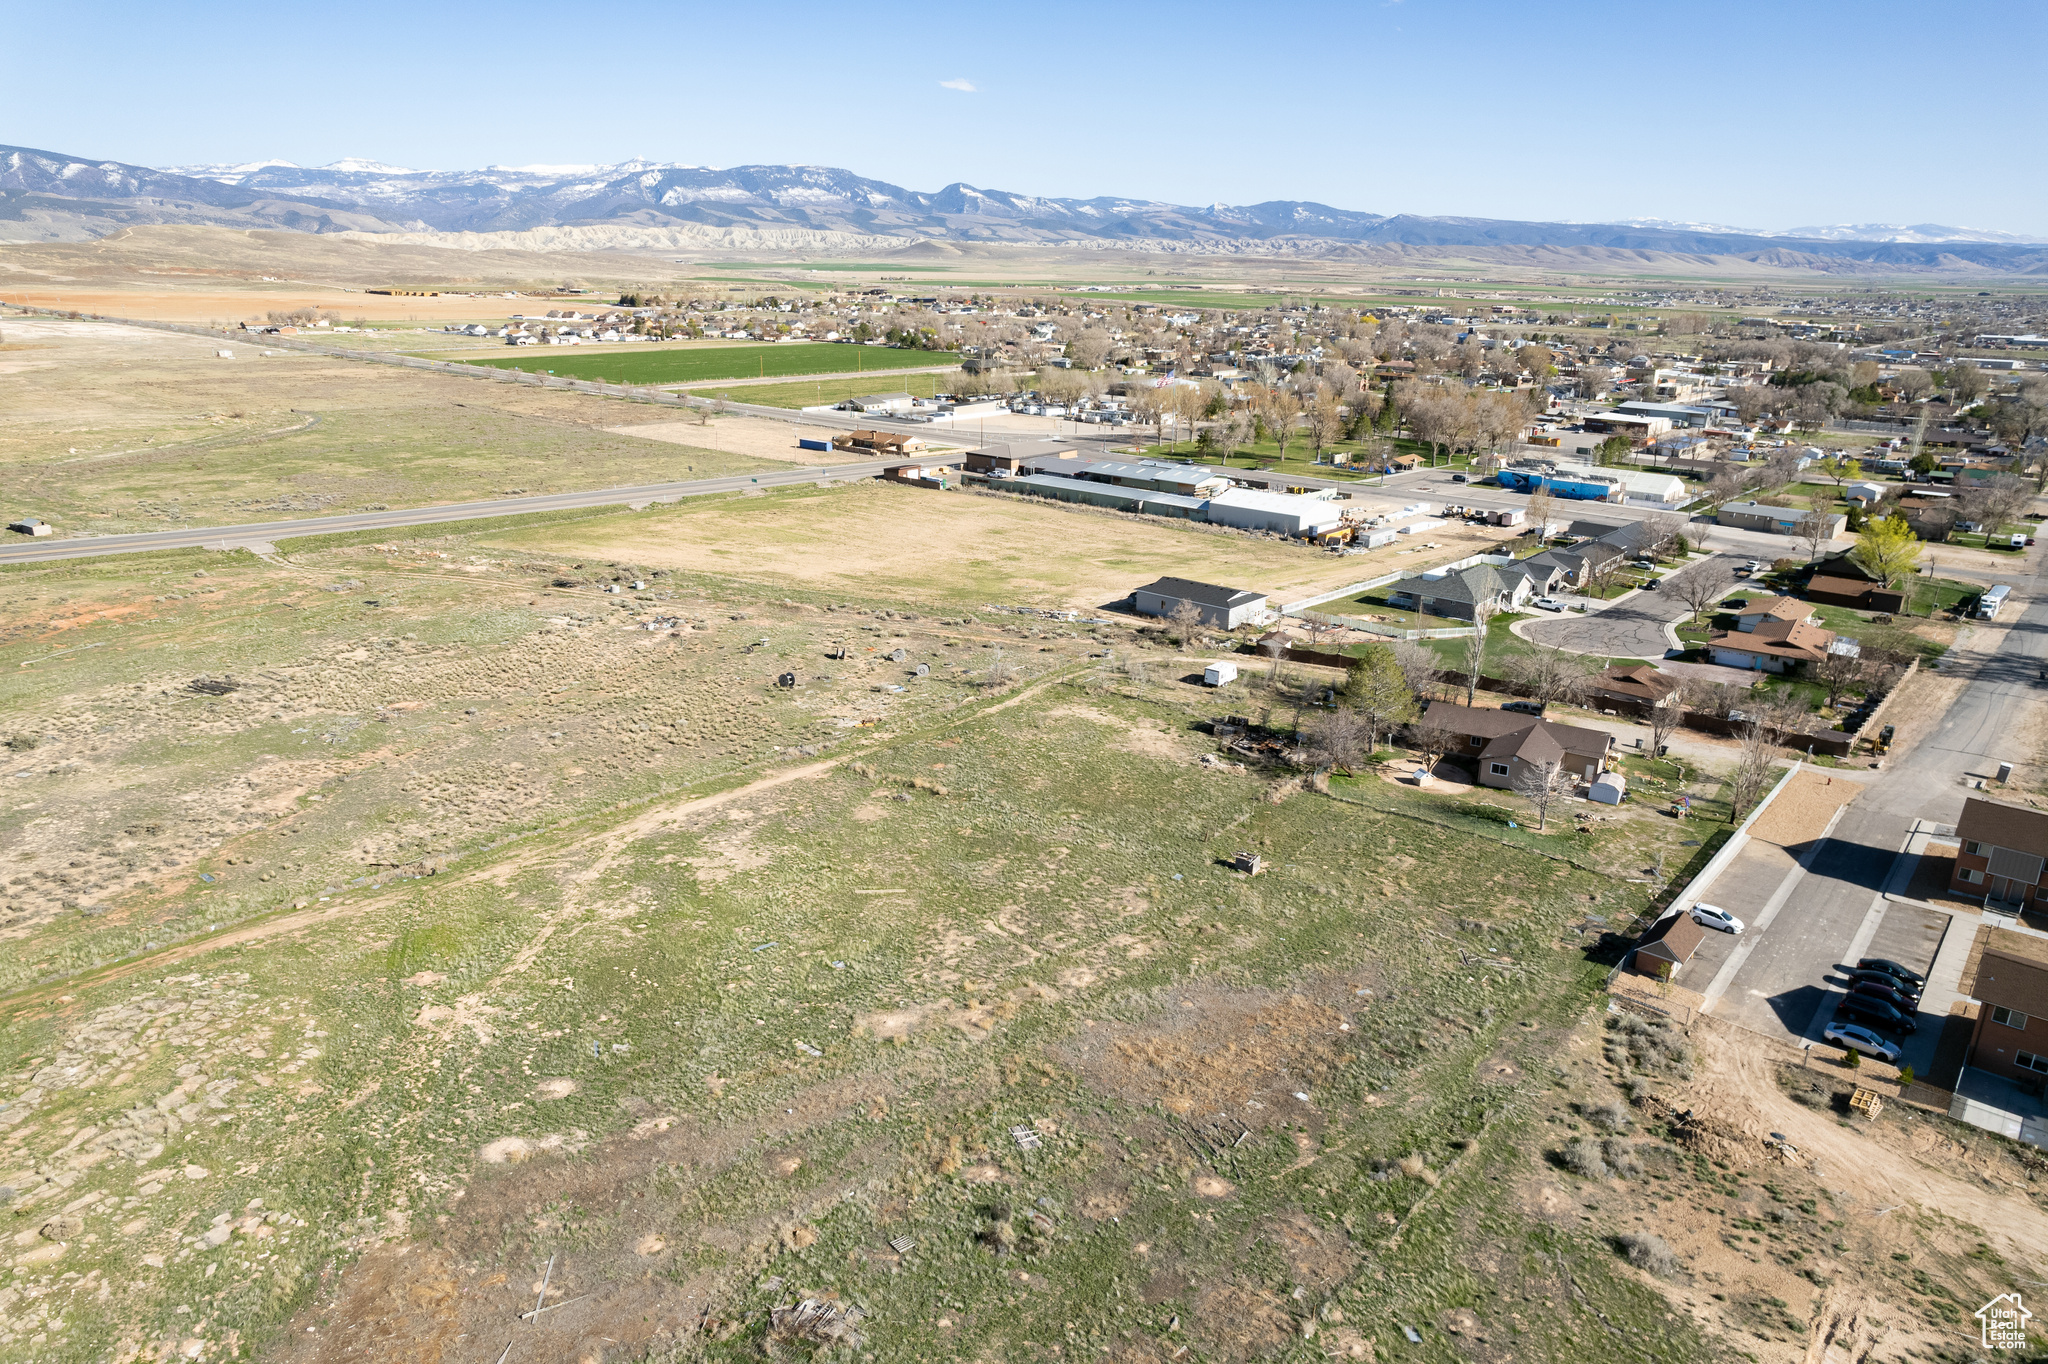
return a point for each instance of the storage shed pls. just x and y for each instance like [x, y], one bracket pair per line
[1216, 674]
[1609, 790]
[1667, 946]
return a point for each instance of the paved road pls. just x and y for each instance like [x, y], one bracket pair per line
[262, 533]
[1836, 912]
[1635, 628]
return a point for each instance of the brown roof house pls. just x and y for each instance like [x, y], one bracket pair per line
[1775, 645]
[2002, 854]
[1666, 946]
[1506, 743]
[2011, 1038]
[1639, 686]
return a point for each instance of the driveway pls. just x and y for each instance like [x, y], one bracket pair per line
[1634, 628]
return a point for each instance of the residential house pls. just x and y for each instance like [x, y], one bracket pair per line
[1461, 593]
[1762, 610]
[1506, 743]
[1775, 645]
[1864, 494]
[1666, 946]
[2001, 855]
[1839, 580]
[1224, 607]
[1637, 686]
[2011, 1036]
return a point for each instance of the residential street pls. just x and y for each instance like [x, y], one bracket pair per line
[1636, 628]
[1780, 978]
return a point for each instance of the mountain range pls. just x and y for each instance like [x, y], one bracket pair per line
[50, 196]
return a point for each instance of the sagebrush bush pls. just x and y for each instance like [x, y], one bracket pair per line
[1649, 1252]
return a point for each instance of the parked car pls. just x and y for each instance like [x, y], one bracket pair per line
[1547, 604]
[1756, 565]
[1459, 478]
[1892, 968]
[1523, 707]
[1886, 980]
[1877, 1013]
[1905, 1004]
[1859, 1038]
[1713, 916]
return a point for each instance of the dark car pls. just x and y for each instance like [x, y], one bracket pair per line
[1904, 1003]
[1892, 968]
[1876, 1013]
[1885, 980]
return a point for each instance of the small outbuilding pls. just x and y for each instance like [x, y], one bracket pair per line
[1216, 674]
[1666, 946]
[1609, 789]
[1225, 607]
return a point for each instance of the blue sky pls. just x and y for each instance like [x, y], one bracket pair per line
[1762, 115]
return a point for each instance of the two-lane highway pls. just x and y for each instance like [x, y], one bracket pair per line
[265, 532]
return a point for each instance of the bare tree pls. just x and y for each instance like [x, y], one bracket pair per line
[1541, 784]
[1325, 421]
[1336, 738]
[1433, 736]
[1702, 586]
[1815, 530]
[1662, 532]
[1541, 504]
[1837, 672]
[1475, 646]
[1549, 675]
[1001, 672]
[1664, 721]
[1420, 667]
[1186, 619]
[1282, 410]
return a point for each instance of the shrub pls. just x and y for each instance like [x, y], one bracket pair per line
[1622, 1157]
[1609, 1117]
[1582, 1157]
[1905, 1076]
[1853, 1059]
[1649, 1252]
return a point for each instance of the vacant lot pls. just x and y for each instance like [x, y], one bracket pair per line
[106, 428]
[962, 549]
[648, 365]
[475, 945]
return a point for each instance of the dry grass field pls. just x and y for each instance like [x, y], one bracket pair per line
[714, 926]
[106, 428]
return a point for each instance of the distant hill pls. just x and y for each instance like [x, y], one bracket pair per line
[50, 196]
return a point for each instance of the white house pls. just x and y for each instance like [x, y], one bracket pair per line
[1865, 494]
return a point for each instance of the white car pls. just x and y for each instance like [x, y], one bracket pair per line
[1713, 916]
[1547, 604]
[1862, 1039]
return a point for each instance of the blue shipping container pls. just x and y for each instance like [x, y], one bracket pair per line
[813, 445]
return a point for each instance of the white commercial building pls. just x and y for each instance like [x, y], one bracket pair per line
[1282, 513]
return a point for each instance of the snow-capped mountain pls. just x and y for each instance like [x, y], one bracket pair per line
[46, 195]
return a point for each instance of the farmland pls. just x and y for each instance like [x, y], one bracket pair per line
[651, 366]
[824, 392]
[473, 937]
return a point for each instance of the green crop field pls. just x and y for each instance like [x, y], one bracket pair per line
[700, 364]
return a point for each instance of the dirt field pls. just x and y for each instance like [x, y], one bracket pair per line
[761, 438]
[961, 548]
[1800, 812]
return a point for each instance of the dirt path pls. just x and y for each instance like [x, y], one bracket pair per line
[598, 850]
[1735, 1086]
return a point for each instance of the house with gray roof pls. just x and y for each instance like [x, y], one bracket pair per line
[1461, 593]
[1225, 607]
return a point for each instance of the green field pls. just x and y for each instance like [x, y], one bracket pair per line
[700, 364]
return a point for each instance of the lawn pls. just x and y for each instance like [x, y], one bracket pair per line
[1265, 455]
[651, 365]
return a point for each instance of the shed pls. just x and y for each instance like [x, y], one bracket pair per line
[1667, 946]
[1216, 674]
[1609, 790]
[1227, 607]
